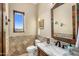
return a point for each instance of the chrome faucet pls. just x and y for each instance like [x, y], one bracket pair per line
[58, 43]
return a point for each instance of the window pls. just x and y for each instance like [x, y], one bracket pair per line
[18, 21]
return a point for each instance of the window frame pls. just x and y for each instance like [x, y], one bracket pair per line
[15, 11]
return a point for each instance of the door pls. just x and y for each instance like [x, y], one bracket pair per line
[1, 29]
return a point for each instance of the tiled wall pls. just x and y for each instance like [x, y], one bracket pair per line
[18, 44]
[52, 40]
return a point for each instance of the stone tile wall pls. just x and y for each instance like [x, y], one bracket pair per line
[18, 44]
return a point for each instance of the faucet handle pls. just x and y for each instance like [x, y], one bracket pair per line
[63, 46]
[58, 43]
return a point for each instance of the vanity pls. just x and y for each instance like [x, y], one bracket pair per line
[41, 52]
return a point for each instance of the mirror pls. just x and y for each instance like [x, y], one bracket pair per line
[63, 22]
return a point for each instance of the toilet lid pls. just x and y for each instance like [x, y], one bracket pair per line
[31, 47]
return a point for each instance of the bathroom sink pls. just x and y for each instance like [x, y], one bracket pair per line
[51, 49]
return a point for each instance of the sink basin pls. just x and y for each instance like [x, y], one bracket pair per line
[74, 51]
[51, 49]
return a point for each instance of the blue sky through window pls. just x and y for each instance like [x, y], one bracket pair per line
[19, 21]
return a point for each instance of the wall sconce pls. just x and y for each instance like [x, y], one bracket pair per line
[6, 23]
[8, 20]
[56, 22]
[61, 24]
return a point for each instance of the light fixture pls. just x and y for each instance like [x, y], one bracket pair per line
[56, 22]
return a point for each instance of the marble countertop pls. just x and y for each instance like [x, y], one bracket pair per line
[52, 50]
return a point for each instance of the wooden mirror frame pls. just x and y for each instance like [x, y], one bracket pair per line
[77, 17]
[71, 41]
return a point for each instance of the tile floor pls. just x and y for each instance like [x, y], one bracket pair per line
[25, 54]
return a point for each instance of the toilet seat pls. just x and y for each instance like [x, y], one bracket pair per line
[31, 50]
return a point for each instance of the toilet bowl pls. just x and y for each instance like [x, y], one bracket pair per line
[37, 41]
[31, 50]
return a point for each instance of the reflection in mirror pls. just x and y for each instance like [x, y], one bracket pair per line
[77, 43]
[63, 22]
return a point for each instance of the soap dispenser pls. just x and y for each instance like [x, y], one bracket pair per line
[48, 40]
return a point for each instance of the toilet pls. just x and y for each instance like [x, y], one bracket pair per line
[32, 50]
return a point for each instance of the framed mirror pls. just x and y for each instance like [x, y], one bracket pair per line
[63, 22]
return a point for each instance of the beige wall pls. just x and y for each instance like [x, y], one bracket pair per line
[44, 12]
[29, 18]
[7, 28]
